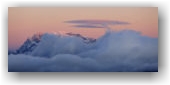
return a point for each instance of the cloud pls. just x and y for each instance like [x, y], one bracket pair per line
[126, 51]
[62, 63]
[88, 26]
[95, 23]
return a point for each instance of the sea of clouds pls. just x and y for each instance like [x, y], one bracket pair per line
[120, 51]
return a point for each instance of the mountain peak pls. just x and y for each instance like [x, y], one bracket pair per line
[36, 37]
[31, 43]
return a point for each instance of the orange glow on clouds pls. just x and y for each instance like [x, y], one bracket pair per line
[24, 22]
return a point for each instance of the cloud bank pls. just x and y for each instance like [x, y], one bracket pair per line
[122, 51]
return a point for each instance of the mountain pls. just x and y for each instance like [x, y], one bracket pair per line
[31, 43]
[86, 39]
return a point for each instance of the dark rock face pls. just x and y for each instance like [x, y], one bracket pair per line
[86, 39]
[30, 44]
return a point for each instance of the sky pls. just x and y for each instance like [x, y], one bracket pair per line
[24, 22]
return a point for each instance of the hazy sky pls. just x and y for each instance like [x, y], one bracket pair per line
[24, 22]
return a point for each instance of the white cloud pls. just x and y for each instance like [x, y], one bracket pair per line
[125, 50]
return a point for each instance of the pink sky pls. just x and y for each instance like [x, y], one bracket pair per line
[24, 22]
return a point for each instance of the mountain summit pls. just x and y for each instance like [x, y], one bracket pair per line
[31, 43]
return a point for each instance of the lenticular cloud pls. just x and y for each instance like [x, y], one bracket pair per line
[122, 51]
[95, 23]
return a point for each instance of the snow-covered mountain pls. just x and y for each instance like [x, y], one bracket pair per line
[31, 43]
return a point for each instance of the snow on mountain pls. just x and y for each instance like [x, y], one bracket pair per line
[31, 43]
